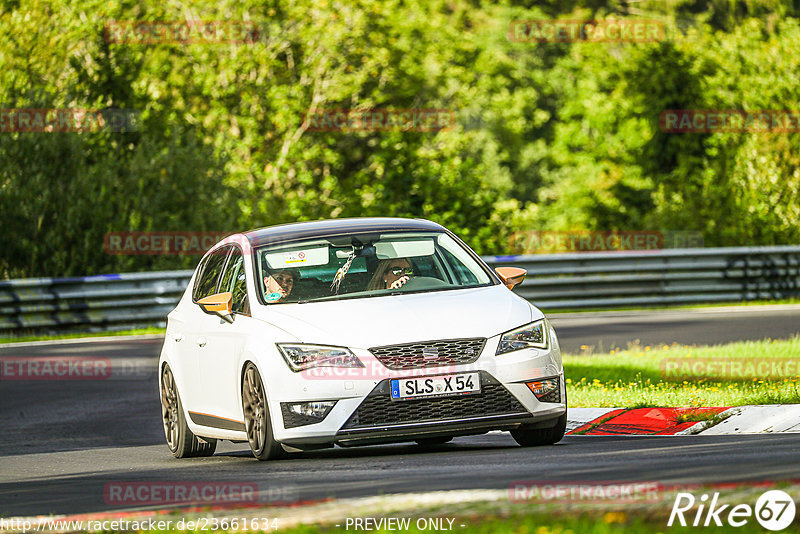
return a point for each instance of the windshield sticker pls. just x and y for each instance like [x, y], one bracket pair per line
[297, 258]
[272, 297]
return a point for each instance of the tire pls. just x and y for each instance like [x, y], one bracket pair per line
[256, 417]
[181, 441]
[432, 442]
[533, 437]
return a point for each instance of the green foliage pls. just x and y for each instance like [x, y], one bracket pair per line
[547, 136]
[678, 375]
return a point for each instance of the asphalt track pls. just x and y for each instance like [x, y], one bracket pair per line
[62, 442]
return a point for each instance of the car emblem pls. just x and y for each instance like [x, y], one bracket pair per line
[469, 352]
[430, 353]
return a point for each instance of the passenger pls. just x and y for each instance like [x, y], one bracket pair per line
[391, 274]
[279, 285]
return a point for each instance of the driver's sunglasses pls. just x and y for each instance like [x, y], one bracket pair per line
[402, 271]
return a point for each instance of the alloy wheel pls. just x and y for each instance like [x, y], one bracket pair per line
[169, 408]
[254, 410]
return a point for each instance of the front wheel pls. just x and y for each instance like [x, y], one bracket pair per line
[532, 437]
[256, 417]
[181, 441]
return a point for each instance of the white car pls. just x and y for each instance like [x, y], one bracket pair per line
[353, 332]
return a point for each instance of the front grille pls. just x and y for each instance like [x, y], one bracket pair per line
[429, 353]
[378, 409]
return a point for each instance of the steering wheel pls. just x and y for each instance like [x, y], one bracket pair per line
[423, 282]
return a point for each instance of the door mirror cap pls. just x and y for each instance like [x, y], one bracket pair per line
[511, 276]
[219, 304]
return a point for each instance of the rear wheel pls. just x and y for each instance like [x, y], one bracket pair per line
[256, 417]
[181, 441]
[532, 437]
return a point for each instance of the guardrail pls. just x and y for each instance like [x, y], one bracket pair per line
[554, 282]
[91, 303]
[657, 278]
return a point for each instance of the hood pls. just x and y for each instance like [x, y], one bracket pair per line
[402, 318]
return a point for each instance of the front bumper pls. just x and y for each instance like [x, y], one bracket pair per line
[365, 414]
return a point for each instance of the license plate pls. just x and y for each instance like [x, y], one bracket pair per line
[435, 386]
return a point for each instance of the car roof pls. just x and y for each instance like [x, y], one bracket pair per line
[336, 227]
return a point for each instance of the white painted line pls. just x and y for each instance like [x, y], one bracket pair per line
[577, 417]
[701, 426]
[758, 420]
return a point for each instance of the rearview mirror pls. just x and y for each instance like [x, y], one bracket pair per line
[386, 250]
[511, 276]
[219, 304]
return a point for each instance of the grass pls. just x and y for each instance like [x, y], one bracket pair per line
[675, 375]
[598, 523]
[77, 335]
[532, 515]
[698, 417]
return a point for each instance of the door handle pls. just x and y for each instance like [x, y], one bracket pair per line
[177, 337]
[201, 341]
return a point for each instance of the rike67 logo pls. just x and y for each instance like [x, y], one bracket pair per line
[774, 510]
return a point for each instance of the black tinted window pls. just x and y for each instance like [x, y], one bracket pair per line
[465, 276]
[437, 262]
[233, 280]
[209, 274]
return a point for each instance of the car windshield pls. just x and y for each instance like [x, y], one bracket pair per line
[365, 265]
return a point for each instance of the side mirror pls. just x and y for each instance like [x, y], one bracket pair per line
[511, 276]
[219, 304]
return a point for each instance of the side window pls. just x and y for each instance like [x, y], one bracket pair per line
[233, 280]
[231, 270]
[209, 275]
[465, 276]
[425, 266]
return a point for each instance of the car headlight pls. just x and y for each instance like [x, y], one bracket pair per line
[533, 335]
[301, 356]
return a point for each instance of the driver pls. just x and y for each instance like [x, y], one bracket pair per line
[279, 285]
[391, 274]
